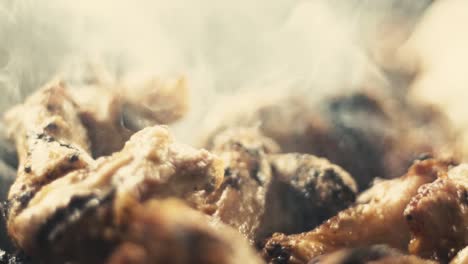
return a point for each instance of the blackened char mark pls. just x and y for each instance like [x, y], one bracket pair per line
[78, 207]
[360, 148]
[23, 199]
[230, 179]
[278, 254]
[18, 258]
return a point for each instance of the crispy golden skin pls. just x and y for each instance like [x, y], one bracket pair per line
[438, 216]
[377, 218]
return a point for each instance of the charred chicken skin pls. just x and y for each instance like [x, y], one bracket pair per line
[366, 223]
[66, 206]
[438, 216]
[259, 185]
[153, 200]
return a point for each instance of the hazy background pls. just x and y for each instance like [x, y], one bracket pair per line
[222, 47]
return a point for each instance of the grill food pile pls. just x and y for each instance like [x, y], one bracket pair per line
[357, 177]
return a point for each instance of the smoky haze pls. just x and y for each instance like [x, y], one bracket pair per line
[223, 48]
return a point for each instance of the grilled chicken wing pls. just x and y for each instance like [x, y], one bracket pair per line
[438, 216]
[62, 193]
[377, 218]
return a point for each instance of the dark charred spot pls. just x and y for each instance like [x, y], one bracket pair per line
[5, 209]
[227, 172]
[66, 145]
[310, 190]
[40, 136]
[424, 156]
[277, 253]
[330, 174]
[27, 169]
[56, 226]
[409, 217]
[232, 181]
[210, 186]
[24, 198]
[51, 127]
[51, 107]
[74, 157]
[254, 173]
[356, 101]
[17, 258]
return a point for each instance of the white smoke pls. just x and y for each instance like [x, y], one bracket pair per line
[221, 46]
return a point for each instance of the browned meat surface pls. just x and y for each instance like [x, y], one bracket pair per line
[438, 216]
[369, 135]
[241, 199]
[50, 142]
[377, 218]
[461, 257]
[62, 193]
[112, 112]
[170, 232]
[305, 191]
[263, 193]
[378, 254]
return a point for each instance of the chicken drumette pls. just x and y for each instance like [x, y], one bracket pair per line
[438, 216]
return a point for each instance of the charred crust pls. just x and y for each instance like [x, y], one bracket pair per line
[254, 173]
[51, 127]
[277, 253]
[24, 198]
[408, 217]
[57, 224]
[233, 182]
[465, 197]
[4, 209]
[423, 156]
[227, 172]
[27, 169]
[356, 101]
[51, 107]
[17, 258]
[73, 158]
[230, 179]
